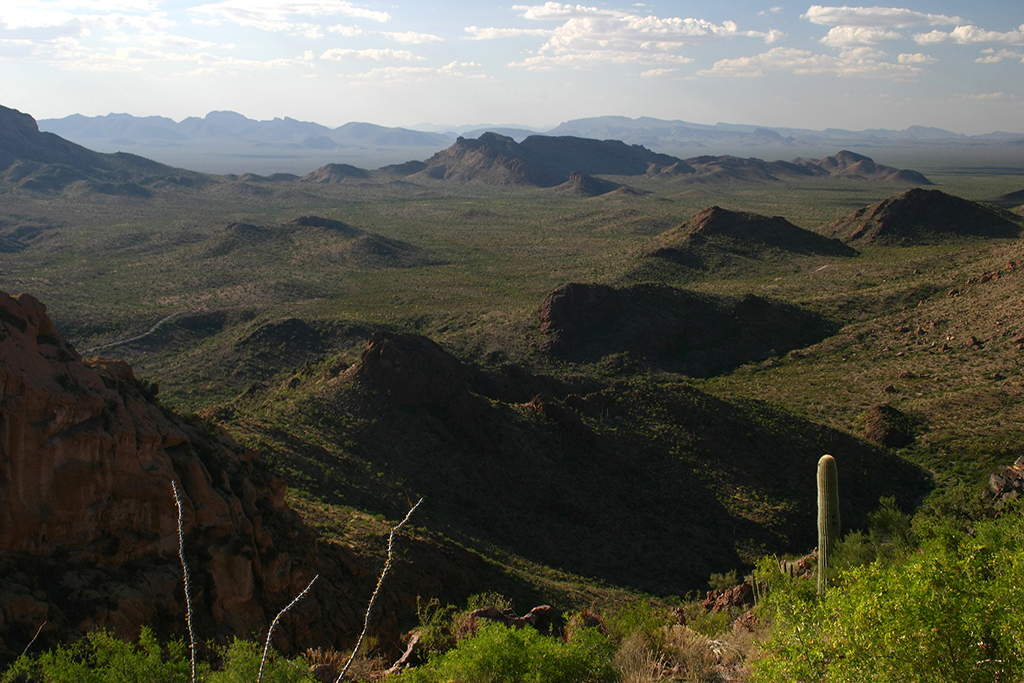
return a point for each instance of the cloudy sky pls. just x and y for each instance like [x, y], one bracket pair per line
[956, 65]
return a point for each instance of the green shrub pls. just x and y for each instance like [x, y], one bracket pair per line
[722, 581]
[436, 628]
[102, 658]
[946, 613]
[242, 665]
[498, 654]
[638, 617]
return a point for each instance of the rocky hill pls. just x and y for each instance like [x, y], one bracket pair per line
[543, 161]
[314, 239]
[583, 185]
[924, 217]
[845, 164]
[680, 330]
[335, 173]
[848, 164]
[44, 162]
[563, 472]
[546, 161]
[88, 524]
[716, 240]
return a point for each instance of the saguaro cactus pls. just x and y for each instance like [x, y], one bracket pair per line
[828, 516]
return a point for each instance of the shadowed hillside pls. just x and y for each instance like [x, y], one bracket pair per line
[572, 477]
[695, 334]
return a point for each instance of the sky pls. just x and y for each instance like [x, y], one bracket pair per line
[953, 65]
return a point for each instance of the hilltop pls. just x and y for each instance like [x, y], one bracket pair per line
[311, 239]
[924, 217]
[720, 242]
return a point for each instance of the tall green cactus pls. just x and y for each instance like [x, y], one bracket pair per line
[828, 516]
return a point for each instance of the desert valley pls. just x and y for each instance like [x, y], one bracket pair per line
[608, 371]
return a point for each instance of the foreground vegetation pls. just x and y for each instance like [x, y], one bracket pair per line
[923, 600]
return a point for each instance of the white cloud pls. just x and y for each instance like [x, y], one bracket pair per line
[275, 15]
[657, 73]
[862, 54]
[917, 58]
[557, 10]
[843, 36]
[985, 97]
[477, 33]
[971, 35]
[166, 40]
[400, 74]
[343, 30]
[771, 10]
[993, 57]
[854, 62]
[373, 54]
[589, 35]
[584, 59]
[875, 17]
[412, 37]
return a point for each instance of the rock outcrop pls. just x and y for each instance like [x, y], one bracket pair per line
[1005, 486]
[88, 523]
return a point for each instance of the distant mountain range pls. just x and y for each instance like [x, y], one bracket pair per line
[34, 160]
[548, 161]
[227, 142]
[45, 162]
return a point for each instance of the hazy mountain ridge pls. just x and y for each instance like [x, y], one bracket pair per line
[546, 161]
[45, 162]
[227, 139]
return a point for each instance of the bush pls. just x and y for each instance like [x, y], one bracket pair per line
[102, 658]
[498, 654]
[948, 612]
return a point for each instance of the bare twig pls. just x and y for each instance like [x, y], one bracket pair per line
[188, 581]
[38, 631]
[273, 625]
[376, 592]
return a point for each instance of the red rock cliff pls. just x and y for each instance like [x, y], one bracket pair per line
[88, 533]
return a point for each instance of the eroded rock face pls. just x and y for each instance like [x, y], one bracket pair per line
[88, 524]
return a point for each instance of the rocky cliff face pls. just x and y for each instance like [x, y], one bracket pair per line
[88, 524]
